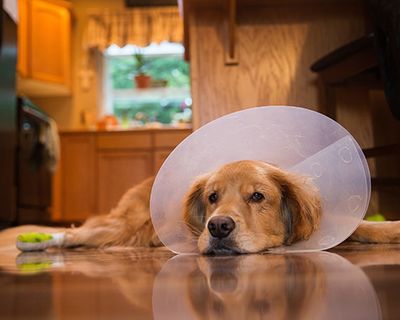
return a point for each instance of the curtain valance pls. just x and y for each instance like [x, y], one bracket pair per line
[140, 27]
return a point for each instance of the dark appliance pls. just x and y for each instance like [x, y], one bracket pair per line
[25, 180]
[8, 118]
[33, 173]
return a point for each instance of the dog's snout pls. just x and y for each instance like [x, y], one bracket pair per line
[220, 227]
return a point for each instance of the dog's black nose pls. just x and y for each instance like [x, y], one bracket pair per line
[220, 227]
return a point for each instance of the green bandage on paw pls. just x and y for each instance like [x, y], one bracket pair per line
[33, 237]
[37, 241]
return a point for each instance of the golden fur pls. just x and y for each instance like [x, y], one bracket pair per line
[128, 224]
[262, 205]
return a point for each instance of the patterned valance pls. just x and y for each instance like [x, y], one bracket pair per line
[140, 27]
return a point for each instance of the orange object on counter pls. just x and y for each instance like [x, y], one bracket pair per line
[107, 122]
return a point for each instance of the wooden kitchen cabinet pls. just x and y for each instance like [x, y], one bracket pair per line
[123, 160]
[44, 42]
[97, 168]
[159, 157]
[118, 172]
[164, 143]
[77, 175]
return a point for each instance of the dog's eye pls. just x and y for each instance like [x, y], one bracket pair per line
[257, 197]
[213, 197]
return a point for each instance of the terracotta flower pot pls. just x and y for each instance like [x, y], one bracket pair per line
[142, 81]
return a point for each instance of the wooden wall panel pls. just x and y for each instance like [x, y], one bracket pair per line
[276, 46]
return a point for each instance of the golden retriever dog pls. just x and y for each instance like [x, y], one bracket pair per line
[243, 207]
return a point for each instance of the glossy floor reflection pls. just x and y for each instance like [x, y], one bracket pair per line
[355, 282]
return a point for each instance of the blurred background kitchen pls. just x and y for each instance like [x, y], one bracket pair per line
[95, 94]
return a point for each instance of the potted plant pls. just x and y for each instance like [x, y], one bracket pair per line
[142, 80]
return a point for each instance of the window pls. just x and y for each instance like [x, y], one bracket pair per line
[163, 100]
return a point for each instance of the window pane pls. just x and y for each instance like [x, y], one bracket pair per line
[166, 99]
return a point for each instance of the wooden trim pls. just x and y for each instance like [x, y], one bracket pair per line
[231, 52]
[382, 151]
[349, 67]
[186, 37]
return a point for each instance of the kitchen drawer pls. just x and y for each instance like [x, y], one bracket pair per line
[169, 139]
[124, 140]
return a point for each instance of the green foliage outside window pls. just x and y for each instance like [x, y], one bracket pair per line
[171, 70]
[121, 70]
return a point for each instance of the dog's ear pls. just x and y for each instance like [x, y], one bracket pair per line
[300, 205]
[194, 206]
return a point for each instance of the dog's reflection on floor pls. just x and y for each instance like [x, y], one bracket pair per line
[252, 287]
[291, 286]
[234, 288]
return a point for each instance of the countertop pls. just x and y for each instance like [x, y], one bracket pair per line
[154, 128]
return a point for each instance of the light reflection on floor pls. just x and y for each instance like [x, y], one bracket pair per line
[355, 282]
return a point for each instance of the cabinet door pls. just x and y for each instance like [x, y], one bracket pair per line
[78, 176]
[159, 157]
[49, 52]
[117, 172]
[22, 62]
[164, 143]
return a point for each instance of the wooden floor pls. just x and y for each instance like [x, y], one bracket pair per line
[352, 281]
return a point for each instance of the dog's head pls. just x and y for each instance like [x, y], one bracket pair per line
[249, 206]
